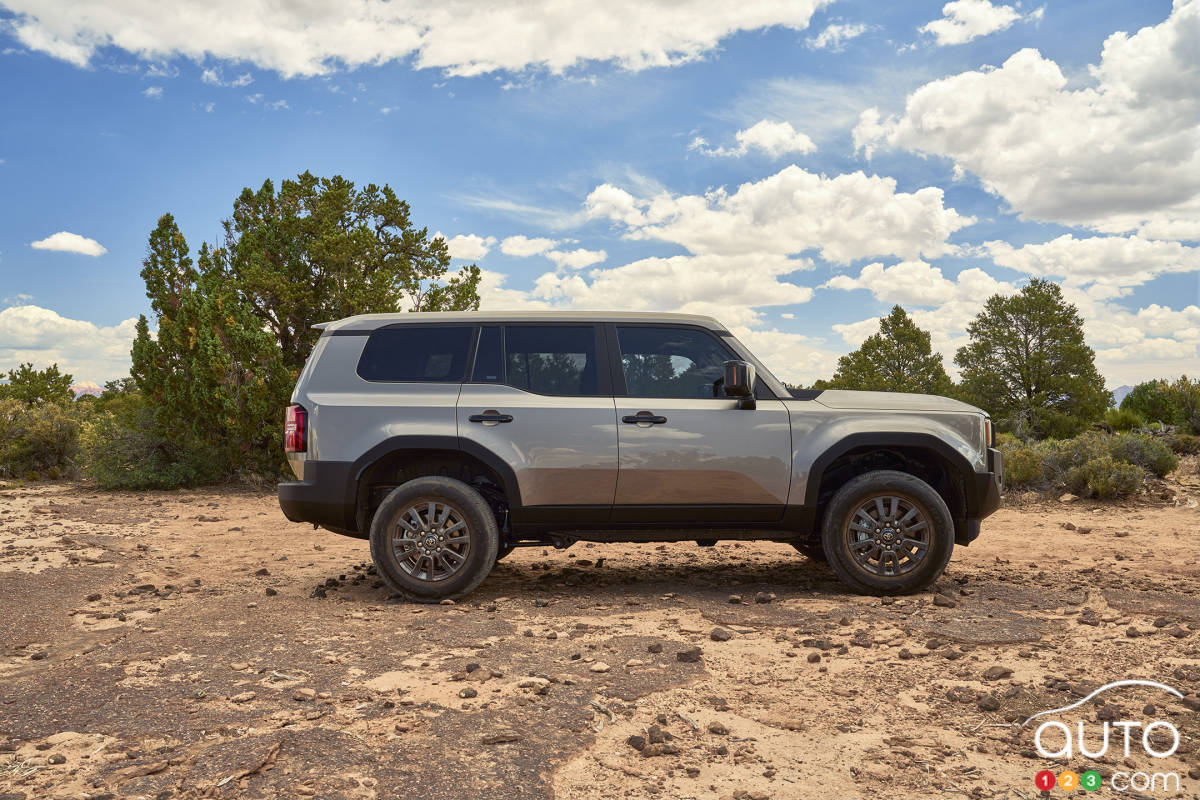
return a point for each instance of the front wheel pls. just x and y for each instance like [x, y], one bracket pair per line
[433, 538]
[887, 532]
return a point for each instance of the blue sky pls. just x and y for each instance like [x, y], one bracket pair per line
[793, 168]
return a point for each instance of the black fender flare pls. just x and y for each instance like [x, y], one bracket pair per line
[394, 444]
[925, 441]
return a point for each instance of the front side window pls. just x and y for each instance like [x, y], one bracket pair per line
[552, 359]
[671, 362]
[413, 354]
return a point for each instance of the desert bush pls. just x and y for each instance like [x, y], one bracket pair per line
[37, 440]
[1061, 456]
[1149, 453]
[1022, 463]
[1123, 419]
[123, 449]
[1184, 444]
[1105, 478]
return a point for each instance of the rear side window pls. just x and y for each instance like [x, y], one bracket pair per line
[413, 354]
[552, 359]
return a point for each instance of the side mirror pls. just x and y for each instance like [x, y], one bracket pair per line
[738, 381]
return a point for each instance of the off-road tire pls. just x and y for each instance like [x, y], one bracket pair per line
[836, 532]
[482, 534]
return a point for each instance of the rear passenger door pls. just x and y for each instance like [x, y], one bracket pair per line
[688, 453]
[539, 396]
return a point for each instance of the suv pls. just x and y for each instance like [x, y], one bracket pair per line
[449, 439]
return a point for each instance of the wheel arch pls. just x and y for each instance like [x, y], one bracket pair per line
[923, 455]
[397, 455]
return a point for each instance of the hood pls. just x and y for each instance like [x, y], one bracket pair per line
[891, 401]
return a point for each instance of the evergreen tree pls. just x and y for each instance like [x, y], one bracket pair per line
[233, 328]
[899, 358]
[1028, 365]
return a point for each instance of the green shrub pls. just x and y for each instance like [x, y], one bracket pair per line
[37, 439]
[1059, 457]
[1105, 478]
[1148, 453]
[123, 450]
[1185, 444]
[1123, 419]
[1022, 464]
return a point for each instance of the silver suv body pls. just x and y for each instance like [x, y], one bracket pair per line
[620, 427]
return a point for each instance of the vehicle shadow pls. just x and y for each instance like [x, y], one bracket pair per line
[624, 580]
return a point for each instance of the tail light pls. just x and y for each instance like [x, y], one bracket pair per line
[295, 430]
[989, 432]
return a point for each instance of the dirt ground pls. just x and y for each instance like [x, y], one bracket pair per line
[196, 644]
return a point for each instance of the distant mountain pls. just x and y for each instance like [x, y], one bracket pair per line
[86, 387]
[1118, 394]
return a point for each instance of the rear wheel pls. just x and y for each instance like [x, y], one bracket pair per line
[887, 532]
[433, 538]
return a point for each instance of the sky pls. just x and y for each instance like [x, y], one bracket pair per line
[791, 167]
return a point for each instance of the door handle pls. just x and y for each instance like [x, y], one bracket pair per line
[634, 419]
[490, 417]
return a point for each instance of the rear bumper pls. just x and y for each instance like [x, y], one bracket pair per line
[983, 497]
[324, 497]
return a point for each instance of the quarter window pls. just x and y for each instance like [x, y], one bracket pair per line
[552, 359]
[489, 357]
[671, 362]
[413, 354]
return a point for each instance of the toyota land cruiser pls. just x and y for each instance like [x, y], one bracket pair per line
[449, 439]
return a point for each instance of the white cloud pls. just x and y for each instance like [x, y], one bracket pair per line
[1118, 155]
[577, 258]
[469, 246]
[87, 351]
[835, 36]
[915, 283]
[1132, 346]
[942, 306]
[153, 92]
[213, 78]
[773, 138]
[523, 247]
[1109, 264]
[494, 296]
[964, 20]
[277, 105]
[67, 242]
[461, 37]
[728, 287]
[846, 217]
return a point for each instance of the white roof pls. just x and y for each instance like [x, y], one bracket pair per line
[369, 322]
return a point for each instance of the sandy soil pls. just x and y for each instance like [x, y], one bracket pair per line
[196, 644]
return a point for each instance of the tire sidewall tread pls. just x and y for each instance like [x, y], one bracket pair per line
[485, 538]
[846, 499]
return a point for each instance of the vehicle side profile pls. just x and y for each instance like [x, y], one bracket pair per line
[449, 439]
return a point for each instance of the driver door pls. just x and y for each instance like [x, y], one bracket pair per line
[687, 453]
